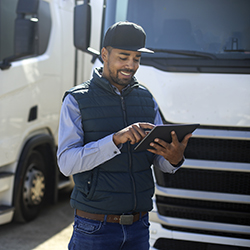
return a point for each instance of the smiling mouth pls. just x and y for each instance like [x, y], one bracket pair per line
[126, 73]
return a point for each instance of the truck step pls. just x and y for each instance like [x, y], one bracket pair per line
[6, 209]
[5, 174]
[6, 179]
[6, 214]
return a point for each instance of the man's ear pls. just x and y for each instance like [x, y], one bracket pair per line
[104, 54]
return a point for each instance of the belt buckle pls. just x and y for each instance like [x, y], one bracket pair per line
[126, 219]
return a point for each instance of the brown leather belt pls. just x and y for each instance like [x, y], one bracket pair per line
[124, 219]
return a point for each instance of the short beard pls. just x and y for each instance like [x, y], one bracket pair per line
[117, 80]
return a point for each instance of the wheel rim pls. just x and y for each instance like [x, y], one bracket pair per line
[34, 187]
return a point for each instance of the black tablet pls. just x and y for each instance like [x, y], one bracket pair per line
[164, 132]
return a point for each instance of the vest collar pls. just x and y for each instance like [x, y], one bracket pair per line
[105, 84]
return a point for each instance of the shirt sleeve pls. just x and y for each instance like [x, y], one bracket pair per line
[159, 161]
[72, 156]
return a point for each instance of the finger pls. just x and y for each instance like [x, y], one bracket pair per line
[146, 125]
[185, 140]
[175, 140]
[142, 130]
[134, 136]
[157, 147]
[162, 143]
[152, 151]
[137, 133]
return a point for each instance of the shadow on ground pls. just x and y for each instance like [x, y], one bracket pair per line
[52, 220]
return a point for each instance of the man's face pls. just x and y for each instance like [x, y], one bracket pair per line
[120, 66]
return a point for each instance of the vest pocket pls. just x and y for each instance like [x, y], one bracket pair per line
[92, 181]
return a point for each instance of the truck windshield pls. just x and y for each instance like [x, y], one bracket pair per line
[219, 29]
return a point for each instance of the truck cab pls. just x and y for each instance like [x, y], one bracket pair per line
[38, 63]
[199, 73]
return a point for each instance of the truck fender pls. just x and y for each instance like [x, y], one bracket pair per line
[36, 177]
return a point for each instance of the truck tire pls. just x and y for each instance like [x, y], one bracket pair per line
[30, 187]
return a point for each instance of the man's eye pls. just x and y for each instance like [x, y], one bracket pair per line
[123, 59]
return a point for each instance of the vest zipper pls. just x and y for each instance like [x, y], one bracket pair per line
[124, 112]
[129, 153]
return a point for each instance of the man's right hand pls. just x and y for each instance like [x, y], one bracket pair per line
[133, 133]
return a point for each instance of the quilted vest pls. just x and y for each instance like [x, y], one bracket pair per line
[124, 183]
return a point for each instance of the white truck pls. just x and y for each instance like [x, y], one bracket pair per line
[199, 73]
[38, 63]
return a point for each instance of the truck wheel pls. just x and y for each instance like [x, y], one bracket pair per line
[30, 187]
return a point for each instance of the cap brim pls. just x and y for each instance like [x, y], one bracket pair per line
[145, 50]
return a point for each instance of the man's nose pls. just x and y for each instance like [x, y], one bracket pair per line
[130, 64]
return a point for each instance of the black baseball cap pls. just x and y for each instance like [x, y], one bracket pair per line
[127, 36]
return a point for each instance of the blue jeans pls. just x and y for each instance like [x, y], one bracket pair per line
[96, 235]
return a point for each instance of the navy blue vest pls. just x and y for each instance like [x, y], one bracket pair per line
[124, 183]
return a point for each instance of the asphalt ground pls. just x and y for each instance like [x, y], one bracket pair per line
[50, 231]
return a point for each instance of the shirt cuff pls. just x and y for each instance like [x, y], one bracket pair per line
[108, 147]
[179, 164]
[164, 165]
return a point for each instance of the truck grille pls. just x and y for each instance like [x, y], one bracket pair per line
[204, 210]
[163, 244]
[230, 182]
[206, 180]
[218, 150]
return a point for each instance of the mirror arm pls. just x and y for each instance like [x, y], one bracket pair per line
[6, 63]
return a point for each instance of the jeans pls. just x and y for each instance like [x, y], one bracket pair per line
[97, 235]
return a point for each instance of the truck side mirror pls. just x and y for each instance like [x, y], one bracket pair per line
[24, 40]
[25, 28]
[25, 31]
[82, 25]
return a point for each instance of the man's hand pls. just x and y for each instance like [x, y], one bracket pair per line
[173, 152]
[133, 133]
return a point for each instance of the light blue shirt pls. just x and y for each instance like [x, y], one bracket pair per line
[73, 157]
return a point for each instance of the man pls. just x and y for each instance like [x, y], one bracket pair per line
[101, 122]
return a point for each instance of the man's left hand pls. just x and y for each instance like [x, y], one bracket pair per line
[174, 151]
